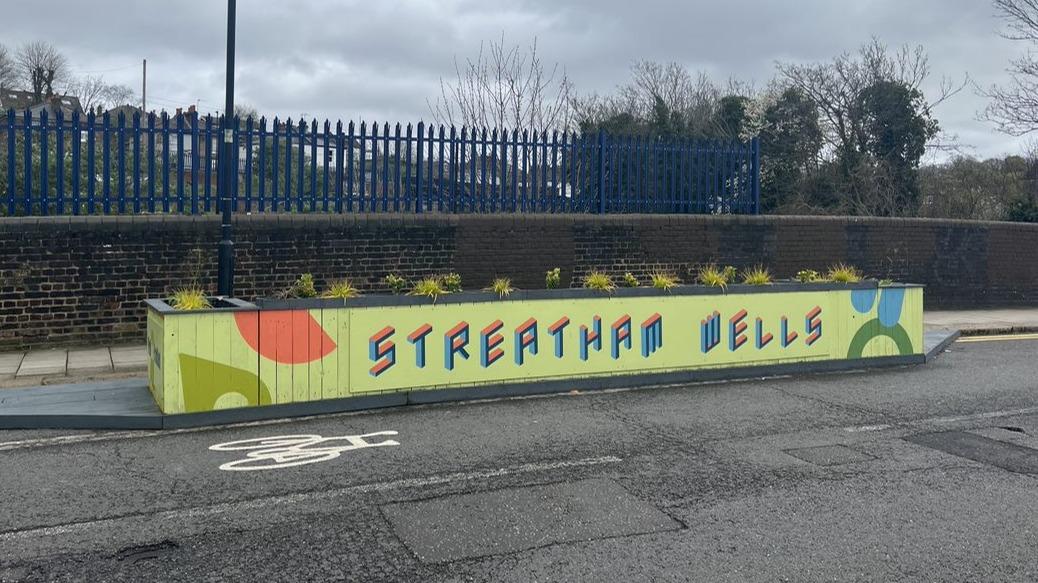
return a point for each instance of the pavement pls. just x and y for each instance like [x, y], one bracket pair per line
[64, 365]
[923, 473]
[982, 322]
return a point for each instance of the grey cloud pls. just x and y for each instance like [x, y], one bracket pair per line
[355, 59]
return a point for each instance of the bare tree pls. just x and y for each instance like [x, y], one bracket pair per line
[1014, 106]
[837, 86]
[8, 69]
[505, 87]
[94, 93]
[42, 68]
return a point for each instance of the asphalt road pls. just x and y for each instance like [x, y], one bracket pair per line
[916, 474]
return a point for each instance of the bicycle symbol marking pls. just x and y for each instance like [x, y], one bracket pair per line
[271, 453]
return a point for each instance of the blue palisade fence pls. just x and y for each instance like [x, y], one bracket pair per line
[89, 164]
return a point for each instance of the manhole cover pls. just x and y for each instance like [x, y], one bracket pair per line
[830, 455]
[1008, 456]
[474, 525]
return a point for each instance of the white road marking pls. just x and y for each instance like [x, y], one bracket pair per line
[288, 451]
[261, 503]
[866, 428]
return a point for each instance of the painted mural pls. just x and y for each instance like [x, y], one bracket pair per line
[208, 361]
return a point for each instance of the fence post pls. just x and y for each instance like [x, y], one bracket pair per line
[418, 177]
[755, 146]
[601, 172]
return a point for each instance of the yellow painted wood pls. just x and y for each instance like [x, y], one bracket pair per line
[329, 377]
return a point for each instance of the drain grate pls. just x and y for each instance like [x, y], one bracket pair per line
[1008, 456]
[137, 554]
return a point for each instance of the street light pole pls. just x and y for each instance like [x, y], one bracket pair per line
[228, 165]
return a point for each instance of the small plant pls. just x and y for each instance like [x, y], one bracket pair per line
[430, 287]
[630, 280]
[452, 283]
[886, 282]
[729, 273]
[342, 289]
[396, 284]
[189, 299]
[711, 275]
[663, 281]
[597, 280]
[808, 276]
[501, 286]
[303, 287]
[553, 278]
[841, 273]
[758, 275]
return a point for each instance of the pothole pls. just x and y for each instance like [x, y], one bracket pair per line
[136, 554]
[1015, 429]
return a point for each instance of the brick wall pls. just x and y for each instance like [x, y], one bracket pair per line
[81, 280]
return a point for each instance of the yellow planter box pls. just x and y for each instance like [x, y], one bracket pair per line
[244, 355]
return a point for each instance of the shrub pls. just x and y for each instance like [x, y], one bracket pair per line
[758, 275]
[630, 280]
[501, 286]
[342, 289]
[553, 278]
[711, 275]
[189, 299]
[396, 284]
[729, 273]
[663, 281]
[808, 276]
[303, 287]
[452, 283]
[841, 273]
[597, 280]
[430, 287]
[886, 282]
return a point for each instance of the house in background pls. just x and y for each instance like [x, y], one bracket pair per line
[21, 101]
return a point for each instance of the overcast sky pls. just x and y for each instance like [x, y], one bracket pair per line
[382, 59]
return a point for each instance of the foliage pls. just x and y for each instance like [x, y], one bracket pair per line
[553, 278]
[886, 282]
[630, 280]
[430, 287]
[1024, 210]
[966, 188]
[302, 288]
[395, 283]
[730, 273]
[663, 281]
[452, 283]
[808, 276]
[713, 276]
[502, 286]
[597, 280]
[842, 273]
[342, 289]
[190, 299]
[758, 275]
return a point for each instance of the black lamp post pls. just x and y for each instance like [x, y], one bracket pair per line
[228, 166]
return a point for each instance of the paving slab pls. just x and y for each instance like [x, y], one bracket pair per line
[93, 360]
[9, 363]
[43, 363]
[126, 358]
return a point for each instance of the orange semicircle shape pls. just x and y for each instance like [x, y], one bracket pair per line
[285, 336]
